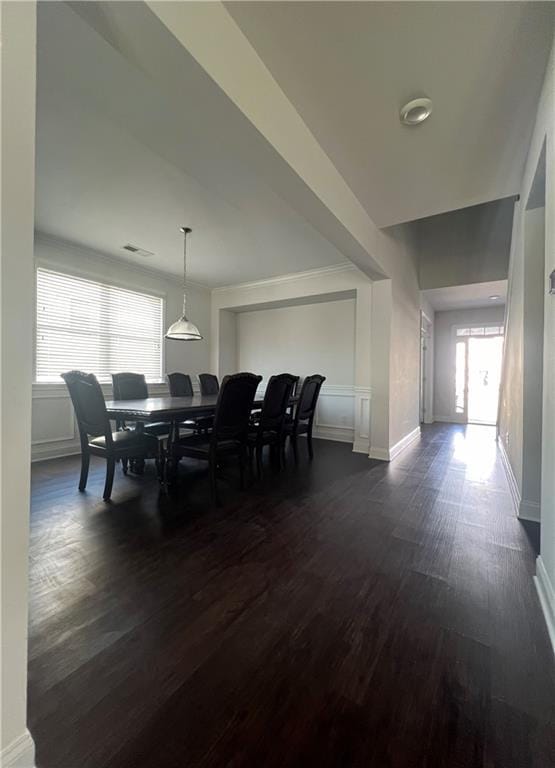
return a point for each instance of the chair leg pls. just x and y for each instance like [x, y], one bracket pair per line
[309, 443]
[85, 461]
[110, 468]
[242, 462]
[282, 453]
[124, 466]
[293, 439]
[259, 461]
[213, 480]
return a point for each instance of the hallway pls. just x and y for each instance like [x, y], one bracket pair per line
[343, 613]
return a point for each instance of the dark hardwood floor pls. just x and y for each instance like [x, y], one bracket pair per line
[342, 613]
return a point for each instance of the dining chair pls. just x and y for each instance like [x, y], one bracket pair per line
[96, 434]
[180, 385]
[133, 386]
[268, 427]
[229, 432]
[208, 384]
[301, 423]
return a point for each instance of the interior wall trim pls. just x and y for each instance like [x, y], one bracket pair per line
[388, 454]
[289, 277]
[20, 753]
[511, 478]
[546, 594]
[529, 510]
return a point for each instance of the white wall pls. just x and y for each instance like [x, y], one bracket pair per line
[428, 323]
[534, 287]
[444, 359]
[17, 71]
[304, 339]
[53, 425]
[312, 298]
[396, 346]
[511, 402]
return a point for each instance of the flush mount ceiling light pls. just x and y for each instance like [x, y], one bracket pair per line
[183, 329]
[494, 297]
[416, 111]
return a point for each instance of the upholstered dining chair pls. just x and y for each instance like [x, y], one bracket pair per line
[180, 385]
[302, 422]
[96, 434]
[268, 427]
[208, 384]
[133, 386]
[229, 432]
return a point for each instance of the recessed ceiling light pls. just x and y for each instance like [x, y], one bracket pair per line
[494, 297]
[416, 111]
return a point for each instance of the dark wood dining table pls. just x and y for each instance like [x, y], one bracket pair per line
[170, 409]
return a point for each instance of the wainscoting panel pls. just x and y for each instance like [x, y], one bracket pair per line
[54, 429]
[335, 414]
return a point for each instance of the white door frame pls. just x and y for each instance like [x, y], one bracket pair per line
[462, 418]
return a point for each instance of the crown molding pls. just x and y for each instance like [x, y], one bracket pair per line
[70, 246]
[291, 277]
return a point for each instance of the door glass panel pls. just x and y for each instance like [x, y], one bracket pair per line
[460, 376]
[484, 374]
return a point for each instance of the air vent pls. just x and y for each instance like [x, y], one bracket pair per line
[138, 251]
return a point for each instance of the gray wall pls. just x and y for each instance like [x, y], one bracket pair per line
[467, 246]
[444, 360]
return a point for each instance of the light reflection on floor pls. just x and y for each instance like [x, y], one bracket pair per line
[476, 450]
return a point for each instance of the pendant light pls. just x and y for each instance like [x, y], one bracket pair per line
[183, 329]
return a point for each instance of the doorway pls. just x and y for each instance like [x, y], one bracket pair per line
[478, 360]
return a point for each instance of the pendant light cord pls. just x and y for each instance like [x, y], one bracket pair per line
[186, 231]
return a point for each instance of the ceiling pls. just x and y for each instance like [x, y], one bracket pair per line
[348, 67]
[121, 161]
[467, 296]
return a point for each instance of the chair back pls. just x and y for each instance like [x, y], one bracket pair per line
[89, 404]
[208, 384]
[180, 385]
[309, 398]
[276, 401]
[235, 399]
[129, 386]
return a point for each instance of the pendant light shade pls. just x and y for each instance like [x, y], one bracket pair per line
[183, 329]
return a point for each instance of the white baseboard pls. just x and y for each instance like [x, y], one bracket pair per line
[403, 443]
[53, 452]
[20, 753]
[378, 453]
[511, 479]
[546, 594]
[529, 510]
[360, 445]
[388, 454]
[340, 434]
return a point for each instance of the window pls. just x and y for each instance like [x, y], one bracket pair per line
[488, 330]
[96, 328]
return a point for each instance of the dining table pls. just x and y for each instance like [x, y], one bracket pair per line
[173, 410]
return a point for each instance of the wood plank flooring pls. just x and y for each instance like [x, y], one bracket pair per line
[341, 613]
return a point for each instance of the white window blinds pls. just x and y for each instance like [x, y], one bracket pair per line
[97, 328]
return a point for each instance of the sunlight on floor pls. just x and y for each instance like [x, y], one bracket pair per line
[476, 449]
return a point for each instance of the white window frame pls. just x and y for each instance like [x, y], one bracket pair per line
[93, 276]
